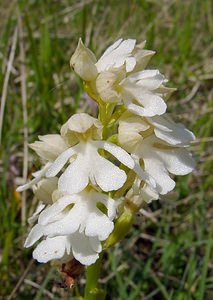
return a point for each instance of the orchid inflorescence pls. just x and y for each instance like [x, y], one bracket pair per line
[98, 171]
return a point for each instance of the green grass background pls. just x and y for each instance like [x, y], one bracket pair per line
[167, 255]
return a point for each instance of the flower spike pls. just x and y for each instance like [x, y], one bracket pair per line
[98, 172]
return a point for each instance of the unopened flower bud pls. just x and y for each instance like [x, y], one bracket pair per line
[83, 62]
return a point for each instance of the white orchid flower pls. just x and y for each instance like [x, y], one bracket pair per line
[160, 159]
[117, 78]
[81, 164]
[83, 133]
[133, 129]
[87, 66]
[85, 249]
[121, 53]
[160, 149]
[140, 92]
[76, 215]
[87, 165]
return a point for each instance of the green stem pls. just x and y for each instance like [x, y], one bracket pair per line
[105, 112]
[92, 291]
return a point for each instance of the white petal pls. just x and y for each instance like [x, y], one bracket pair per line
[82, 250]
[75, 178]
[79, 124]
[153, 104]
[112, 47]
[178, 160]
[34, 217]
[59, 163]
[118, 152]
[35, 234]
[148, 194]
[108, 176]
[138, 110]
[67, 225]
[130, 63]
[95, 244]
[109, 203]
[82, 122]
[99, 225]
[155, 168]
[148, 79]
[51, 248]
[106, 86]
[171, 132]
[143, 175]
[28, 185]
[142, 58]
[129, 132]
[40, 174]
[71, 219]
[50, 212]
[116, 55]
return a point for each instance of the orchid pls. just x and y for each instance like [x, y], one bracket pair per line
[117, 79]
[140, 92]
[160, 145]
[89, 165]
[98, 172]
[80, 132]
[73, 216]
[63, 248]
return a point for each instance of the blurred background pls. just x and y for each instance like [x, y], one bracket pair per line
[167, 255]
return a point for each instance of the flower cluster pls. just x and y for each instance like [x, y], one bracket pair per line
[94, 164]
